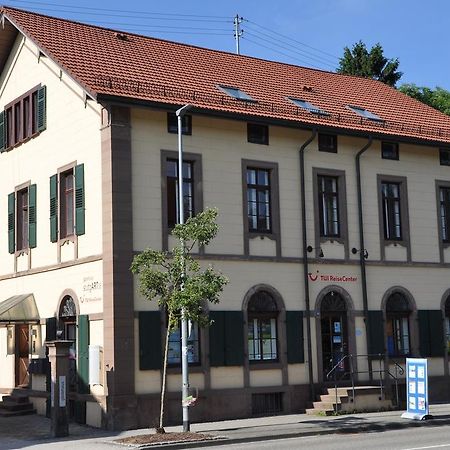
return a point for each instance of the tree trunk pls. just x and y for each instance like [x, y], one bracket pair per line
[164, 378]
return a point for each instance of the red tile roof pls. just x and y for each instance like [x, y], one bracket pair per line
[155, 70]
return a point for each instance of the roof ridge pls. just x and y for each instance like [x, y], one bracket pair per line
[184, 44]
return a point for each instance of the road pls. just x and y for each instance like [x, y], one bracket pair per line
[423, 438]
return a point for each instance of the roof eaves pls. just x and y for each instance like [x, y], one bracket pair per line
[67, 72]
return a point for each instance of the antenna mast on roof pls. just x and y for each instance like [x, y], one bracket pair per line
[238, 32]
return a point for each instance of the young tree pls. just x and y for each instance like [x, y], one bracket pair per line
[359, 61]
[437, 98]
[178, 282]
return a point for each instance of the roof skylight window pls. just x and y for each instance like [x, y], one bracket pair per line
[236, 93]
[308, 106]
[365, 113]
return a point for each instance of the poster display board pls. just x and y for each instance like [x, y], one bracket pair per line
[416, 389]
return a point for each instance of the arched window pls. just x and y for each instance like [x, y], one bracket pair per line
[398, 311]
[447, 323]
[262, 313]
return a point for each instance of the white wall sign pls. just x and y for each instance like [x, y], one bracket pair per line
[62, 391]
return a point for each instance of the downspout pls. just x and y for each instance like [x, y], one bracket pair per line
[305, 261]
[362, 251]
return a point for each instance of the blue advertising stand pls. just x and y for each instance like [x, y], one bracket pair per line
[416, 389]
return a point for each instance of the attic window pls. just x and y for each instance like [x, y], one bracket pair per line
[236, 93]
[121, 36]
[308, 106]
[365, 113]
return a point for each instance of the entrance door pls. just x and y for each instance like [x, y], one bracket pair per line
[334, 335]
[22, 354]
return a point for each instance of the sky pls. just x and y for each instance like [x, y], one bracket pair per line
[302, 32]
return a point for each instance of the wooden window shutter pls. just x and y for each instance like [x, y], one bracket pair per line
[234, 338]
[54, 208]
[294, 335]
[41, 110]
[32, 216]
[79, 200]
[83, 354]
[50, 329]
[150, 351]
[2, 131]
[217, 339]
[11, 223]
[376, 330]
[431, 333]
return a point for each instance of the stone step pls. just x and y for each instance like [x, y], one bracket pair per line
[326, 405]
[13, 406]
[332, 398]
[359, 390]
[319, 412]
[6, 413]
[16, 398]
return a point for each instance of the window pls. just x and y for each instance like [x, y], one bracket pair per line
[236, 93]
[308, 106]
[444, 156]
[67, 200]
[365, 113]
[23, 118]
[390, 198]
[174, 355]
[259, 200]
[327, 143]
[328, 206]
[257, 134]
[389, 150]
[444, 213]
[172, 191]
[22, 219]
[172, 124]
[67, 204]
[398, 312]
[262, 327]
[447, 324]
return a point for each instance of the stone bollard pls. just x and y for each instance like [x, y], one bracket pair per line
[58, 355]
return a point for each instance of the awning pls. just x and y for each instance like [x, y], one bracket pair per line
[19, 308]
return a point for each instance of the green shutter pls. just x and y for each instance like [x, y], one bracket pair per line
[234, 338]
[50, 329]
[83, 355]
[41, 110]
[53, 208]
[2, 131]
[79, 199]
[32, 216]
[294, 335]
[11, 223]
[217, 339]
[150, 354]
[376, 333]
[431, 333]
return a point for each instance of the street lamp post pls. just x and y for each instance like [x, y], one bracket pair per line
[184, 326]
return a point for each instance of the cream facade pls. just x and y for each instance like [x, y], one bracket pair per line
[254, 359]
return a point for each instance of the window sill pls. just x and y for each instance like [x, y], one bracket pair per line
[21, 252]
[261, 235]
[22, 141]
[265, 365]
[176, 370]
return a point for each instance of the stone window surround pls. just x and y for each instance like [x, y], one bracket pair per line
[274, 205]
[404, 215]
[196, 159]
[342, 205]
[73, 237]
[412, 320]
[442, 245]
[281, 336]
[24, 251]
[351, 313]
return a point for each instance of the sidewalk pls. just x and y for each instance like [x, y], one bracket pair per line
[25, 431]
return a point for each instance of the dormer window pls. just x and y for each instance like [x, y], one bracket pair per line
[236, 93]
[365, 113]
[308, 106]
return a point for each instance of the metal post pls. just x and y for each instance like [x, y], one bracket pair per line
[184, 328]
[237, 32]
